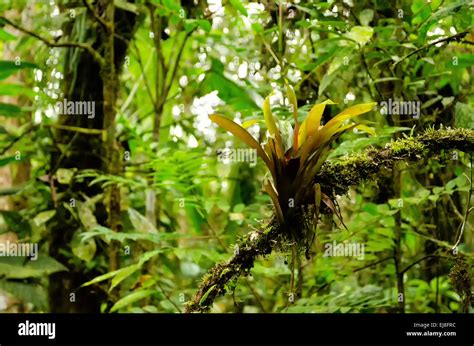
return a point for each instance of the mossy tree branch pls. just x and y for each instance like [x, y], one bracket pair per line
[335, 177]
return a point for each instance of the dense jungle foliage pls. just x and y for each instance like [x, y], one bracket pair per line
[236, 156]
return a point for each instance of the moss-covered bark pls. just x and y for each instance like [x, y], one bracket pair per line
[335, 177]
[338, 176]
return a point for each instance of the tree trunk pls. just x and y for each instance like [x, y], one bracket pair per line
[88, 81]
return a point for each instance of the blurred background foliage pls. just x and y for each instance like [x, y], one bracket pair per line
[182, 210]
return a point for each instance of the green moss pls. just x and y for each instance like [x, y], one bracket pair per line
[407, 147]
[448, 138]
[460, 279]
[224, 272]
[444, 133]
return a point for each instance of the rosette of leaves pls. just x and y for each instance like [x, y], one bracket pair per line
[293, 166]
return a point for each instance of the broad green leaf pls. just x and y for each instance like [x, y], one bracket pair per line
[131, 298]
[257, 27]
[83, 249]
[431, 102]
[10, 190]
[23, 268]
[127, 6]
[366, 16]
[325, 82]
[463, 61]
[8, 67]
[27, 292]
[236, 96]
[366, 129]
[190, 24]
[15, 89]
[43, 217]
[108, 235]
[100, 278]
[6, 36]
[435, 4]
[16, 222]
[149, 255]
[421, 11]
[361, 34]
[122, 274]
[7, 160]
[342, 57]
[175, 20]
[9, 110]
[441, 13]
[237, 4]
[86, 216]
[64, 175]
[464, 115]
[141, 223]
[204, 24]
[172, 5]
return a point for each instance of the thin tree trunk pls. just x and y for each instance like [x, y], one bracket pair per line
[88, 81]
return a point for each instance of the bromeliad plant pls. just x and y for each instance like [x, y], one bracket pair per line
[293, 169]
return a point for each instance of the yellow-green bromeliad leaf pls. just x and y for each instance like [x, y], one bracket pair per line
[311, 145]
[332, 128]
[246, 137]
[273, 129]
